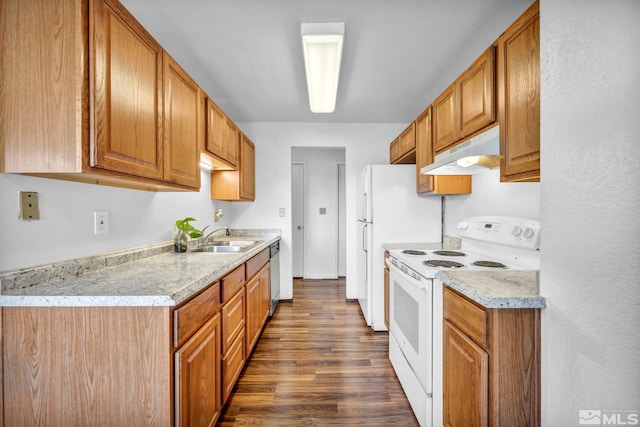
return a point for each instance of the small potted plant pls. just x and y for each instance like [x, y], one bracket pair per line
[184, 230]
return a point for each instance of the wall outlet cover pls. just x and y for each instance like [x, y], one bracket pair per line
[29, 208]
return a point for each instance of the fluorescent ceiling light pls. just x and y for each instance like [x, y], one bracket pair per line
[322, 46]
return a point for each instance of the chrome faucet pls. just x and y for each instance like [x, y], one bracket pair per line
[203, 240]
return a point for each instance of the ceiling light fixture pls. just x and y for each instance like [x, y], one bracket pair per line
[322, 46]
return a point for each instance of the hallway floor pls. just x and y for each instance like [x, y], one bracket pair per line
[318, 364]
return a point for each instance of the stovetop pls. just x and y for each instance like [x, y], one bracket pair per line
[488, 244]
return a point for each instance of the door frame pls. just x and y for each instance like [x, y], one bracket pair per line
[341, 220]
[302, 163]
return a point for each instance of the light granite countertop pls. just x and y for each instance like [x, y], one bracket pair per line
[497, 289]
[159, 278]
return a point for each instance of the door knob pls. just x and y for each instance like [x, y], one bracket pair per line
[299, 227]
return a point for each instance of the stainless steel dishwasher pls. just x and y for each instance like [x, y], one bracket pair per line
[274, 265]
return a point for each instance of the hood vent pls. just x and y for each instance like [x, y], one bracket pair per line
[475, 155]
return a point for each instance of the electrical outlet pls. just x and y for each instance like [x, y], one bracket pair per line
[100, 222]
[281, 211]
[29, 205]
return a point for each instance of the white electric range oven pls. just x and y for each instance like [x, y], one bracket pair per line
[415, 306]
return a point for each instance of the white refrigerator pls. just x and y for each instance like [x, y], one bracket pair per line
[390, 211]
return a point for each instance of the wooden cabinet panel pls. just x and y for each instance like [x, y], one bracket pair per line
[475, 95]
[467, 316]
[232, 283]
[444, 120]
[519, 98]
[216, 129]
[189, 317]
[253, 324]
[127, 94]
[452, 184]
[197, 377]
[247, 169]
[465, 380]
[73, 366]
[232, 142]
[265, 301]
[182, 115]
[232, 320]
[43, 120]
[255, 264]
[408, 140]
[232, 364]
[403, 149]
[236, 185]
[490, 349]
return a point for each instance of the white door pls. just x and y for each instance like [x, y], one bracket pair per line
[297, 217]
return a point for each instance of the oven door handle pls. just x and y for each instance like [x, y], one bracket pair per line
[418, 283]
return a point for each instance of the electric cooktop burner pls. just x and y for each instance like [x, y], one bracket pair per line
[412, 252]
[490, 264]
[442, 263]
[449, 253]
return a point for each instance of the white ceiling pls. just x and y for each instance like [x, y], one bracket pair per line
[398, 54]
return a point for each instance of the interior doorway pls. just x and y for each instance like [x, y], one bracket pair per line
[318, 212]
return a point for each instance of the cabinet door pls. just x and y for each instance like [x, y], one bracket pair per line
[253, 317]
[408, 140]
[519, 98]
[126, 87]
[232, 320]
[247, 169]
[394, 151]
[444, 120]
[232, 143]
[265, 289]
[424, 151]
[232, 364]
[466, 380]
[197, 377]
[475, 94]
[181, 125]
[216, 129]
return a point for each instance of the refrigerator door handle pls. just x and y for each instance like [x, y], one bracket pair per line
[364, 237]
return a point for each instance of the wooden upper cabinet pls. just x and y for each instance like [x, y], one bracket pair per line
[475, 95]
[222, 140]
[127, 93]
[445, 127]
[102, 118]
[425, 184]
[240, 184]
[519, 98]
[247, 169]
[182, 117]
[467, 106]
[403, 149]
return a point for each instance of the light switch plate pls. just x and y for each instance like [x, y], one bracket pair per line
[100, 222]
[29, 208]
[323, 211]
[281, 212]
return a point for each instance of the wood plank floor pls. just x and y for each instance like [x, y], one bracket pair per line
[318, 364]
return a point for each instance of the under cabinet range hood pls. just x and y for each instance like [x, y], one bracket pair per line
[477, 154]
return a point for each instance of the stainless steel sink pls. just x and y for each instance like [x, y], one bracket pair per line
[226, 246]
[232, 243]
[212, 248]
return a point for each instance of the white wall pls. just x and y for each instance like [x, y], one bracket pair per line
[489, 196]
[321, 231]
[590, 272]
[364, 144]
[65, 227]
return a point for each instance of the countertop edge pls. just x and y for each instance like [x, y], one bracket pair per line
[488, 301]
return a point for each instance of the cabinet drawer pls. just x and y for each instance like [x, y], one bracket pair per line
[471, 318]
[232, 364]
[256, 263]
[188, 318]
[232, 283]
[232, 320]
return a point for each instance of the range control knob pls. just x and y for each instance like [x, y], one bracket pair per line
[463, 225]
[516, 230]
[528, 233]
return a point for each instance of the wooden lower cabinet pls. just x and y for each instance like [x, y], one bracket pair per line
[466, 380]
[258, 291]
[197, 377]
[491, 364]
[233, 337]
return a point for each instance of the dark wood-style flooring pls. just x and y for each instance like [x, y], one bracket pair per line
[318, 364]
